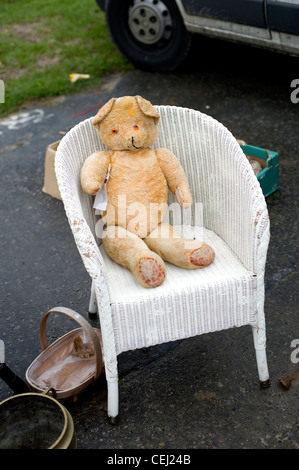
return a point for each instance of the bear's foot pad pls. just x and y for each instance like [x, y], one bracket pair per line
[202, 256]
[151, 272]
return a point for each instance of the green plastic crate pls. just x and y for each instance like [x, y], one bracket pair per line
[268, 177]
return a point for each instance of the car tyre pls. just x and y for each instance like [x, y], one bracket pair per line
[149, 33]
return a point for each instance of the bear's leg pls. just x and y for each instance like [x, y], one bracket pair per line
[189, 254]
[130, 251]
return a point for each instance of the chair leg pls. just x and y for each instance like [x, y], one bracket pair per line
[261, 358]
[113, 402]
[93, 308]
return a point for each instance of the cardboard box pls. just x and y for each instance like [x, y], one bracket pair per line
[50, 184]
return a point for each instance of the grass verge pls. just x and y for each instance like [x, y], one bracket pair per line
[42, 43]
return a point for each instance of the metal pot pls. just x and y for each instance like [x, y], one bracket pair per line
[35, 421]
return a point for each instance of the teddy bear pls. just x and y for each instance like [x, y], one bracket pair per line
[134, 233]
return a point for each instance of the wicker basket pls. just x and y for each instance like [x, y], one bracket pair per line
[71, 363]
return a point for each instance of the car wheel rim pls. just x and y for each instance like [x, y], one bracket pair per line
[150, 21]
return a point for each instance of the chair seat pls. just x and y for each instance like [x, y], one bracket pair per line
[188, 303]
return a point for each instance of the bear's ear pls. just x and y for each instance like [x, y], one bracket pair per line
[147, 108]
[102, 113]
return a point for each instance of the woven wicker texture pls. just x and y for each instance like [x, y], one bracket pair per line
[234, 215]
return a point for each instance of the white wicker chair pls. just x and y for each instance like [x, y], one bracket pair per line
[228, 293]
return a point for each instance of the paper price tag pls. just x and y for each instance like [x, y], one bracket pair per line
[101, 199]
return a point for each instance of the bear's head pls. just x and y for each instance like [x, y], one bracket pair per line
[127, 123]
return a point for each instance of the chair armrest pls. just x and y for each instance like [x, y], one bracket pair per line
[78, 205]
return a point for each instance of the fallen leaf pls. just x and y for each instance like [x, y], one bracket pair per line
[287, 380]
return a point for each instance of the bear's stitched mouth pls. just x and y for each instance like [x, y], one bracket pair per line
[134, 144]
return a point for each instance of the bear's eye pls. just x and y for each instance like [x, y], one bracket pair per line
[136, 127]
[114, 131]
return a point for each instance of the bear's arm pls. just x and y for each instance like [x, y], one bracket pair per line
[175, 176]
[93, 172]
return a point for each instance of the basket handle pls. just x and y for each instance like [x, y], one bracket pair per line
[82, 322]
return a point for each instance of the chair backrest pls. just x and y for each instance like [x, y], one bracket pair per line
[220, 177]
